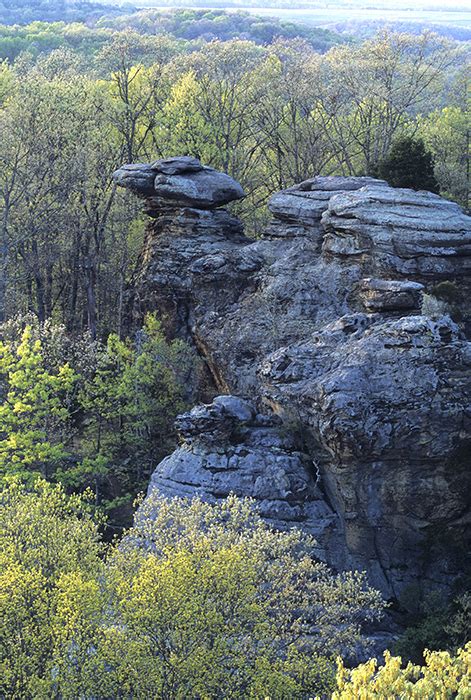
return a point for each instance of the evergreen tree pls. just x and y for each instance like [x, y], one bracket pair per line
[409, 164]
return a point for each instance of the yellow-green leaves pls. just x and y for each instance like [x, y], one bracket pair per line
[191, 619]
[50, 603]
[444, 676]
[34, 413]
[196, 601]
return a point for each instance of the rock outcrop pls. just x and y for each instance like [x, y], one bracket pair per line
[388, 405]
[179, 182]
[298, 210]
[412, 234]
[228, 446]
[319, 323]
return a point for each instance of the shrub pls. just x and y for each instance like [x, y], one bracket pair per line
[443, 676]
[409, 164]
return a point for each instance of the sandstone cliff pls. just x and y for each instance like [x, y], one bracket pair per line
[354, 413]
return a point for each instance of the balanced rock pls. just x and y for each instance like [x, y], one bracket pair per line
[177, 166]
[321, 324]
[137, 177]
[179, 182]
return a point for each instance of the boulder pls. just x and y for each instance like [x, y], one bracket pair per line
[203, 189]
[179, 182]
[177, 166]
[137, 177]
[391, 295]
[229, 448]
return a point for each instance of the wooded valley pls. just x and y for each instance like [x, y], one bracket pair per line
[104, 596]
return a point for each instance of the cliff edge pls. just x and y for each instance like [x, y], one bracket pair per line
[339, 406]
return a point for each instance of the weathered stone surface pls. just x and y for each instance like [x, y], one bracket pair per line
[177, 166]
[179, 182]
[137, 177]
[228, 447]
[391, 295]
[205, 188]
[298, 210]
[192, 256]
[400, 231]
[315, 323]
[389, 405]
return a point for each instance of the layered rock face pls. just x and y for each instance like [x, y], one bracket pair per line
[194, 250]
[388, 405]
[416, 234]
[228, 446]
[319, 323]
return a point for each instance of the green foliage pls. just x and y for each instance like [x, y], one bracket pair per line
[442, 676]
[87, 30]
[446, 134]
[409, 164]
[214, 24]
[447, 291]
[35, 409]
[129, 407]
[50, 567]
[268, 115]
[89, 414]
[24, 11]
[195, 599]
[436, 625]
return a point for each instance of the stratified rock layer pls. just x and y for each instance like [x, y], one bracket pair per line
[319, 322]
[389, 405]
[410, 233]
[180, 182]
[393, 296]
[230, 448]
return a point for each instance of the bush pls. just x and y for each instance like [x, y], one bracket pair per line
[443, 676]
[409, 164]
[195, 599]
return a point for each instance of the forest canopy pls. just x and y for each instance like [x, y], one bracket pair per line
[270, 116]
[88, 31]
[193, 597]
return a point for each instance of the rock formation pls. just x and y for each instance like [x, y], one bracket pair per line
[228, 447]
[319, 323]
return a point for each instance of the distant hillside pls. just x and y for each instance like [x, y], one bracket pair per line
[26, 11]
[219, 24]
[86, 27]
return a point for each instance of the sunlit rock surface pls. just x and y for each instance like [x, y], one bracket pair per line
[350, 413]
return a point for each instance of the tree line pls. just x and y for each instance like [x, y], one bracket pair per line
[88, 34]
[269, 116]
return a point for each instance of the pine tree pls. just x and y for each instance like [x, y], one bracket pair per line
[409, 164]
